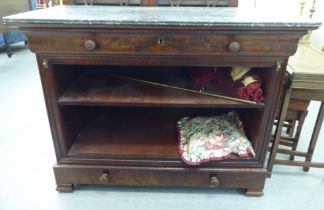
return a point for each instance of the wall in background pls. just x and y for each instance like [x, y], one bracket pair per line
[289, 5]
[293, 6]
[317, 38]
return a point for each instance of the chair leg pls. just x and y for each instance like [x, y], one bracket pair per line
[316, 131]
[7, 44]
[278, 131]
[288, 127]
[292, 128]
[298, 132]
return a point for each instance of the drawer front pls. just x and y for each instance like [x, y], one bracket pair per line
[144, 176]
[202, 43]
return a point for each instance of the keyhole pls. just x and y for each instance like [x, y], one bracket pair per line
[160, 41]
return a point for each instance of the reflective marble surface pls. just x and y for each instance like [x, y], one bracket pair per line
[160, 16]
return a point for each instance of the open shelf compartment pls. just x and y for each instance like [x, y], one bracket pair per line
[106, 118]
[136, 133]
[122, 87]
[126, 133]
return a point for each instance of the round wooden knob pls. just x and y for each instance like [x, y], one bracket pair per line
[103, 178]
[234, 47]
[89, 45]
[214, 182]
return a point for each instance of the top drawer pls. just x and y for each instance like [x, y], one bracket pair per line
[144, 42]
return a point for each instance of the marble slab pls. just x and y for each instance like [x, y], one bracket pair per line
[160, 16]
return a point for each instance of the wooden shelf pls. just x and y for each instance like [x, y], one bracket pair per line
[129, 135]
[105, 90]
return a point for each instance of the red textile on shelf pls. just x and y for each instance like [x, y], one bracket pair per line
[251, 92]
[202, 75]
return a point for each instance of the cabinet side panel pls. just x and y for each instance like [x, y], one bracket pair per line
[54, 84]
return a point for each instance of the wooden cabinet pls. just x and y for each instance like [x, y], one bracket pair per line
[110, 131]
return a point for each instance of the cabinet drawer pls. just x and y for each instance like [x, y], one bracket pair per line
[145, 176]
[197, 43]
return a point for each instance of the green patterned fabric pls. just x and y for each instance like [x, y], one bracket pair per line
[202, 139]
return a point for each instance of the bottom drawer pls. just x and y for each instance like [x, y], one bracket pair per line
[251, 179]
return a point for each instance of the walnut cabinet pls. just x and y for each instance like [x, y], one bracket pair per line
[110, 133]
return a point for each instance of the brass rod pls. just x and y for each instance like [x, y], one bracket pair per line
[183, 89]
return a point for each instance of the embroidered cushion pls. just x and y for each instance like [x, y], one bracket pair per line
[202, 139]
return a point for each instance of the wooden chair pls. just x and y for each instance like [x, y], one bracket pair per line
[294, 121]
[305, 82]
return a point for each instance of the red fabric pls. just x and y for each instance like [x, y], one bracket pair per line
[202, 75]
[252, 92]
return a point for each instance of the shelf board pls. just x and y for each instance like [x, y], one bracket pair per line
[105, 90]
[134, 135]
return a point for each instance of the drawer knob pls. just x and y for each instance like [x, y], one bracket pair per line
[234, 47]
[89, 45]
[214, 182]
[104, 177]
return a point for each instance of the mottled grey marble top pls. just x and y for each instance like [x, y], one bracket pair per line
[160, 16]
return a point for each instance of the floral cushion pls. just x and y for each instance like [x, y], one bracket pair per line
[202, 139]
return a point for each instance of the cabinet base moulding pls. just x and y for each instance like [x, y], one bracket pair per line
[251, 179]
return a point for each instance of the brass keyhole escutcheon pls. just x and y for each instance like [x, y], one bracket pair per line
[161, 41]
[104, 177]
